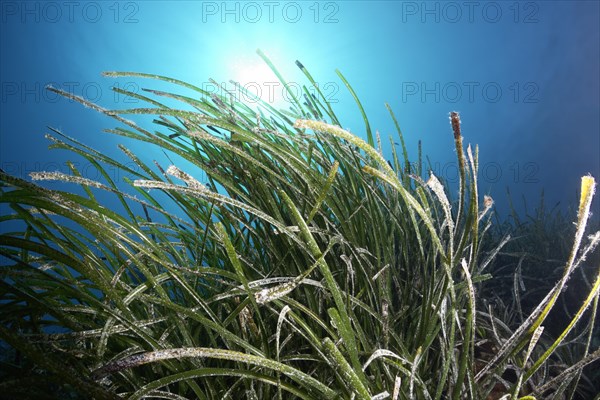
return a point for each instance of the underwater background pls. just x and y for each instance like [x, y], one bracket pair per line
[106, 302]
[524, 75]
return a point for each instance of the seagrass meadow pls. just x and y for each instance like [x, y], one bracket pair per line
[288, 259]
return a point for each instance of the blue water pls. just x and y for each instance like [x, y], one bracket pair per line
[524, 75]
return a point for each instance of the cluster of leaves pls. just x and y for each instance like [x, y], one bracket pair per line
[305, 266]
[526, 269]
